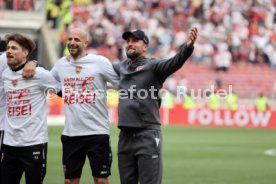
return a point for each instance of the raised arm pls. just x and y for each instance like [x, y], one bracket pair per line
[167, 67]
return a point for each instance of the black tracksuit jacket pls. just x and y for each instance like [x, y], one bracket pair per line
[145, 73]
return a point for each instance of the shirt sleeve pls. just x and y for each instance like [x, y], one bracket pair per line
[3, 67]
[116, 67]
[3, 62]
[166, 67]
[54, 72]
[109, 73]
[48, 81]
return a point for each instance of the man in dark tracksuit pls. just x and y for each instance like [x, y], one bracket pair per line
[141, 78]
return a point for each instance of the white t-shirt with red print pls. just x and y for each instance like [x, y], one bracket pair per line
[84, 84]
[26, 117]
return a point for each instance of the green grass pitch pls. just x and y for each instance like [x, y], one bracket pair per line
[193, 155]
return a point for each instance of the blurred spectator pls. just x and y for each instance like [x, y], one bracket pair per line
[183, 82]
[53, 11]
[261, 103]
[167, 99]
[154, 47]
[214, 101]
[261, 57]
[222, 57]
[232, 101]
[271, 53]
[171, 84]
[218, 84]
[189, 102]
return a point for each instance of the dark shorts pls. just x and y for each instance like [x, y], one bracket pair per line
[96, 147]
[29, 159]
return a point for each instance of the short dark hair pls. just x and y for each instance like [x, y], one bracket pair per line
[23, 41]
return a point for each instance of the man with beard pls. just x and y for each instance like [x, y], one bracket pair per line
[26, 129]
[84, 80]
[140, 139]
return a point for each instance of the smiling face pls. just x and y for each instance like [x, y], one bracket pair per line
[135, 47]
[77, 42]
[16, 54]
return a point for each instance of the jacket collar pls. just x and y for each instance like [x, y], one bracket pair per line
[138, 61]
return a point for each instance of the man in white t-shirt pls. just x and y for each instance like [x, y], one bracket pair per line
[26, 132]
[28, 72]
[84, 79]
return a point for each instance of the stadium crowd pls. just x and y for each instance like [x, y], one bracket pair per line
[242, 31]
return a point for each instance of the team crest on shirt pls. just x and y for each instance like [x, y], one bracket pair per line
[139, 67]
[14, 83]
[78, 69]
